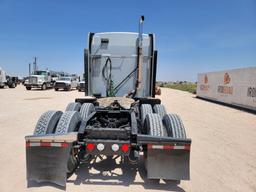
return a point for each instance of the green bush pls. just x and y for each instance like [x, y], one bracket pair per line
[189, 87]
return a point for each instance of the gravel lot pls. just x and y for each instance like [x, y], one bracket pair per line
[223, 155]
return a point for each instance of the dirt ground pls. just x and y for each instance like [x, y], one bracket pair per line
[223, 154]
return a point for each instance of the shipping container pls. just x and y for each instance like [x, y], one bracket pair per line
[235, 87]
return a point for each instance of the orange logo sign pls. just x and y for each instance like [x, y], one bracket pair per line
[227, 78]
[205, 79]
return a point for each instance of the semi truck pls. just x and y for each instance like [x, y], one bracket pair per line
[40, 79]
[118, 117]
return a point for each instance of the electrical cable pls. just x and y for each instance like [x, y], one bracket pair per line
[109, 78]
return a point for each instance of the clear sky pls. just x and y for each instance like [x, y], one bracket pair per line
[191, 36]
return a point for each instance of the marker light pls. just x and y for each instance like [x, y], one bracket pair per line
[115, 147]
[100, 147]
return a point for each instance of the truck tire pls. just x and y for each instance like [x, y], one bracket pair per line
[73, 106]
[56, 89]
[69, 88]
[47, 122]
[28, 88]
[12, 85]
[73, 163]
[69, 122]
[144, 110]
[1, 87]
[160, 110]
[44, 87]
[86, 110]
[154, 125]
[174, 126]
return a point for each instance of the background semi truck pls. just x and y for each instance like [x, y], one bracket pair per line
[40, 79]
[118, 118]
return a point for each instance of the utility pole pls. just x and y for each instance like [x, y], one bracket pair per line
[35, 64]
[29, 69]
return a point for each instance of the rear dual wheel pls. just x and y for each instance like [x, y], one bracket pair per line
[174, 126]
[47, 122]
[60, 123]
[86, 110]
[159, 109]
[160, 123]
[144, 110]
[147, 109]
[154, 125]
[73, 106]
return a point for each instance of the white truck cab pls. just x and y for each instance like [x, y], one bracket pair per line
[111, 64]
[40, 79]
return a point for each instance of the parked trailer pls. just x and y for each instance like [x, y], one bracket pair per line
[107, 124]
[235, 87]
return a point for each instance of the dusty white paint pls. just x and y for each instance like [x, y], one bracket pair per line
[235, 87]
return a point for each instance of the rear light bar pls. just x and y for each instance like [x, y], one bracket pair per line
[170, 147]
[114, 147]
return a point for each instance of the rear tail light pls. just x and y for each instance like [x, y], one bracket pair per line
[115, 147]
[125, 148]
[90, 146]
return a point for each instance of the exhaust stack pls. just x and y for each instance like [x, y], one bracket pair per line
[139, 56]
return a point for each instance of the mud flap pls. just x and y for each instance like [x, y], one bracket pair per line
[48, 163]
[167, 164]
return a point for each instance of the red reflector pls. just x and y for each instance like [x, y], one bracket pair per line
[125, 148]
[90, 146]
[64, 145]
[187, 147]
[27, 144]
[45, 144]
[168, 147]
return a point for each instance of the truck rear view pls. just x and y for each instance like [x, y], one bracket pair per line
[119, 118]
